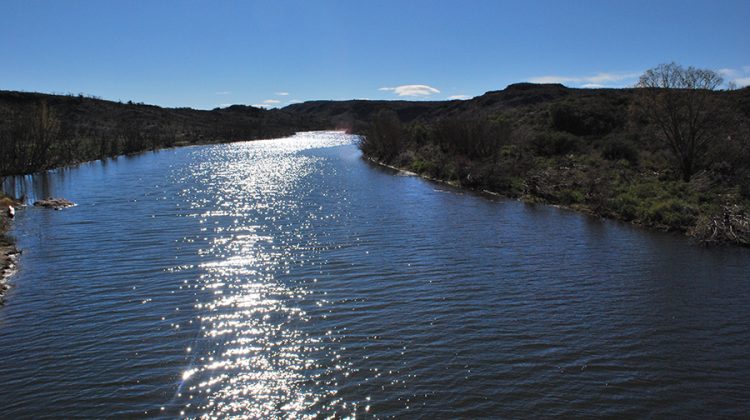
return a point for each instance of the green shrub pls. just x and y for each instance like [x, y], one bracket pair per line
[583, 119]
[420, 166]
[568, 197]
[565, 118]
[673, 213]
[555, 144]
[620, 150]
[626, 205]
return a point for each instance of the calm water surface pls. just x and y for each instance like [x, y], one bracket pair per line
[291, 278]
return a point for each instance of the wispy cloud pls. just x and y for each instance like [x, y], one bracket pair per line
[458, 97]
[597, 80]
[727, 73]
[282, 93]
[294, 101]
[260, 105]
[738, 77]
[271, 101]
[223, 92]
[411, 90]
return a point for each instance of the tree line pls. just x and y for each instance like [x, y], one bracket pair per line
[673, 152]
[44, 131]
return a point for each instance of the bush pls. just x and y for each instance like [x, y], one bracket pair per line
[422, 167]
[620, 150]
[672, 213]
[626, 205]
[568, 197]
[555, 144]
[565, 118]
[583, 119]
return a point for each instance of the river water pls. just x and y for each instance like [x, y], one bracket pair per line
[291, 278]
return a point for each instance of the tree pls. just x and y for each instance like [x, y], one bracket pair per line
[45, 129]
[678, 101]
[384, 139]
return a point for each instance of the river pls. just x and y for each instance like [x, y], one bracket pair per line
[292, 278]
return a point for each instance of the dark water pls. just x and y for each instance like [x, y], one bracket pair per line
[290, 278]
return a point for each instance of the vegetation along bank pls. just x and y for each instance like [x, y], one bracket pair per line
[672, 153]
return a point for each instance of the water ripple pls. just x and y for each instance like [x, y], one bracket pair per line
[289, 278]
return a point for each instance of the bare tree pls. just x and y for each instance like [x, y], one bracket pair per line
[680, 104]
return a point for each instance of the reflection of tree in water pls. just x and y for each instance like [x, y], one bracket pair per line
[32, 187]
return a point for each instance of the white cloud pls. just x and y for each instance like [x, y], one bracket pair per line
[271, 101]
[739, 77]
[727, 73]
[260, 105]
[551, 79]
[411, 90]
[223, 92]
[597, 80]
[294, 101]
[610, 77]
[458, 97]
[282, 93]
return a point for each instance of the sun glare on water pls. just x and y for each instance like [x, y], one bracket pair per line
[251, 357]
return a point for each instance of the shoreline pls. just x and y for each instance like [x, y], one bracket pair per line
[178, 145]
[530, 199]
[8, 254]
[8, 250]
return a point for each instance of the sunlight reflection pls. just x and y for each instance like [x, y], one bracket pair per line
[252, 359]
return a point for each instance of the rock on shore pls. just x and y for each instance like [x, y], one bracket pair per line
[8, 254]
[8, 250]
[54, 203]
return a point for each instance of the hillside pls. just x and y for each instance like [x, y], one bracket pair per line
[595, 150]
[39, 131]
[521, 95]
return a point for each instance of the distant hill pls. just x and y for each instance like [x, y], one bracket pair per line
[590, 149]
[595, 150]
[514, 96]
[598, 106]
[39, 131]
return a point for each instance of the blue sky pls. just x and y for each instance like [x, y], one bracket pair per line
[205, 54]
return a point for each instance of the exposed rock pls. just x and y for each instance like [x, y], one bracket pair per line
[54, 203]
[7, 266]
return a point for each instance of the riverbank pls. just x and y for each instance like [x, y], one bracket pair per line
[8, 250]
[662, 205]
[105, 297]
[44, 131]
[8, 253]
[593, 151]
